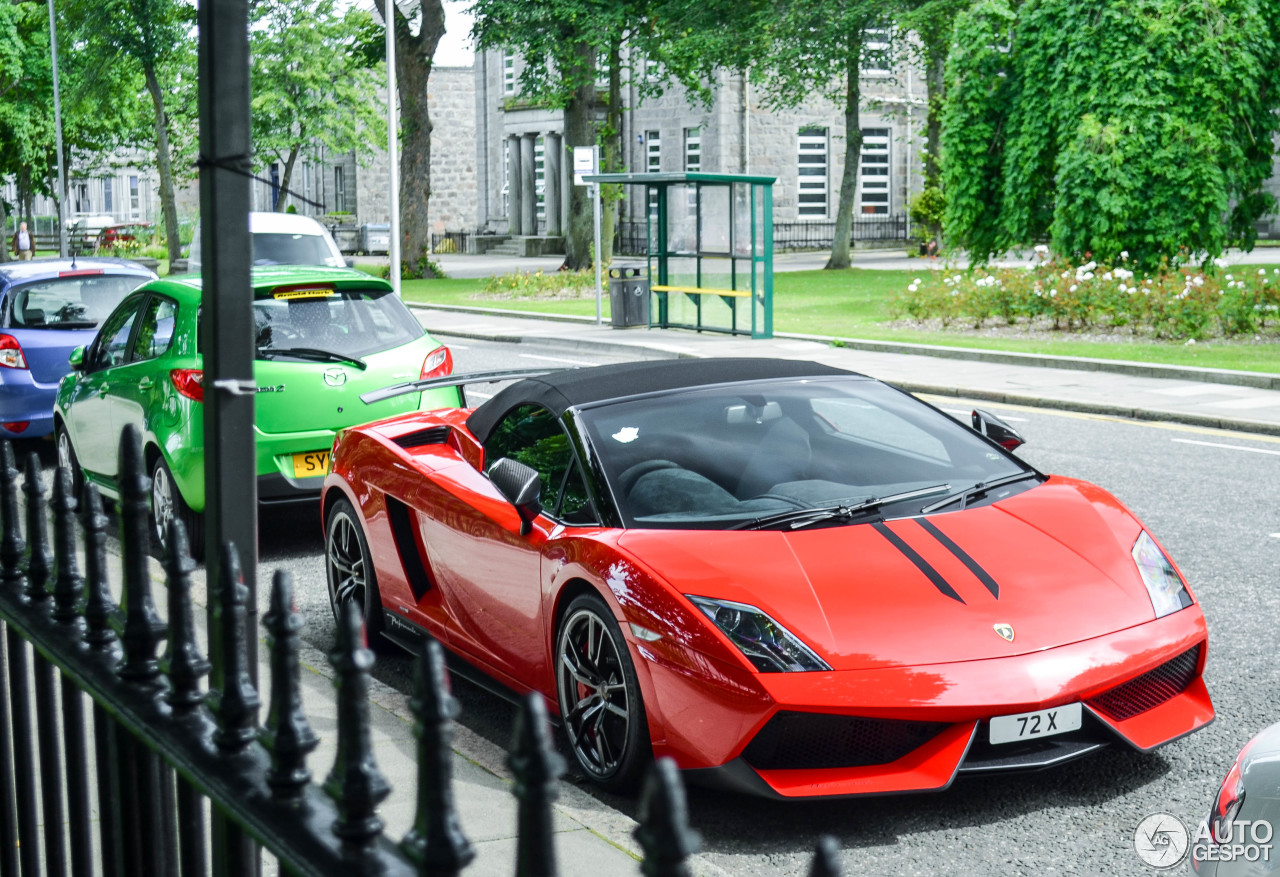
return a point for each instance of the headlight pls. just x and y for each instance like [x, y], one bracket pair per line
[1163, 585]
[768, 645]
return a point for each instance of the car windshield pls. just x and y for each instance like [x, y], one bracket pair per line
[292, 249]
[75, 302]
[741, 455]
[345, 322]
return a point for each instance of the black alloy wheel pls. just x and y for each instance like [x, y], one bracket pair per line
[349, 570]
[600, 701]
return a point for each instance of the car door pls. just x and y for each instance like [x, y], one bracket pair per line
[139, 385]
[88, 414]
[492, 573]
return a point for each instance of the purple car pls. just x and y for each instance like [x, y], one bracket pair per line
[49, 307]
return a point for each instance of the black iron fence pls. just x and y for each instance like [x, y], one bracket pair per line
[631, 237]
[808, 235]
[450, 242]
[187, 780]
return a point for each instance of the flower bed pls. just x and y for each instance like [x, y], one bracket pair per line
[1172, 303]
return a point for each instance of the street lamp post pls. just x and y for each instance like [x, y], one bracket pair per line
[393, 152]
[57, 125]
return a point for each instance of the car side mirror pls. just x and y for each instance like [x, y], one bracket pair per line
[351, 263]
[76, 359]
[521, 487]
[986, 423]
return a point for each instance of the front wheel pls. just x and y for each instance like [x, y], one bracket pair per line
[349, 569]
[168, 505]
[599, 695]
[67, 460]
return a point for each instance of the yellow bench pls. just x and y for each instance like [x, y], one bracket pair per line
[701, 290]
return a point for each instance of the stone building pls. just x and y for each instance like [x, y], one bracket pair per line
[804, 148]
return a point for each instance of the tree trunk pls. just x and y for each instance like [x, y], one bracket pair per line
[611, 152]
[840, 245]
[936, 95]
[286, 178]
[164, 164]
[413, 70]
[4, 232]
[579, 131]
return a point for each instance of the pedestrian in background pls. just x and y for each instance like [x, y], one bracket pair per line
[24, 245]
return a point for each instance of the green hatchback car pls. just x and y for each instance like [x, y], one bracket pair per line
[324, 337]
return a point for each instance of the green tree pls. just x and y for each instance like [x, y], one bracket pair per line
[311, 85]
[1143, 125]
[821, 46]
[150, 38]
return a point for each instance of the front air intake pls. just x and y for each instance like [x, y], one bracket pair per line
[1150, 689]
[793, 740]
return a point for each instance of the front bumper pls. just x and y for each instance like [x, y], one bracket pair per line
[944, 705]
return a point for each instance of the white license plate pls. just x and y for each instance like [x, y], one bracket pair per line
[1031, 726]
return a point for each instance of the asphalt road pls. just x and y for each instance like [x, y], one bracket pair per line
[1209, 496]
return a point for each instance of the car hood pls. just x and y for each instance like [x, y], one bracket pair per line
[1052, 563]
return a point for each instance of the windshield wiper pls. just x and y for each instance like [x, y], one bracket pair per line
[313, 353]
[798, 518]
[977, 490]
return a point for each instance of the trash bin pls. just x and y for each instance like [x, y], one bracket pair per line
[628, 297]
[375, 237]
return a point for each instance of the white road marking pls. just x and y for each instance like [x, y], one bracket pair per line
[471, 393]
[459, 346]
[1229, 447]
[1248, 402]
[554, 359]
[1274, 535]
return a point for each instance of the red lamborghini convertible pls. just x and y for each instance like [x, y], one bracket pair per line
[795, 580]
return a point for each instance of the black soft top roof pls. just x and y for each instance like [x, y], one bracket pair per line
[561, 390]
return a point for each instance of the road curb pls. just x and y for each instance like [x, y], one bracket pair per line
[1230, 377]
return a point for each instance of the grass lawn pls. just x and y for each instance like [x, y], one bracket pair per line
[857, 303]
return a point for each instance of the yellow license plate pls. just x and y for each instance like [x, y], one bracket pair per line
[310, 464]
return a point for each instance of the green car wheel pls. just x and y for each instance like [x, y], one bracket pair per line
[168, 505]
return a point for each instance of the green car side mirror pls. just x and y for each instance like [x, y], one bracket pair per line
[76, 359]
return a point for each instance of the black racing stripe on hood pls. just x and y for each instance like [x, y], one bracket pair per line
[923, 565]
[982, 575]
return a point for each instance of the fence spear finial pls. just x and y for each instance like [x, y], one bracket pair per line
[664, 833]
[288, 735]
[12, 546]
[99, 607]
[39, 554]
[183, 662]
[68, 584]
[537, 768]
[142, 630]
[235, 704]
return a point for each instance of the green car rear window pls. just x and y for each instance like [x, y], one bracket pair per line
[351, 322]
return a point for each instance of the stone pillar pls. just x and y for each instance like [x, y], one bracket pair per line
[514, 212]
[551, 182]
[566, 180]
[528, 187]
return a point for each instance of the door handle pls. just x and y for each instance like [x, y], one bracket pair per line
[102, 390]
[145, 384]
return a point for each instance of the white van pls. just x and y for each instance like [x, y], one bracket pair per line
[282, 239]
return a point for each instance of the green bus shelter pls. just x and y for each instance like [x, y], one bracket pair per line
[710, 256]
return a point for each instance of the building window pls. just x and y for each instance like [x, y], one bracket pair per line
[540, 176]
[692, 150]
[873, 175]
[81, 191]
[506, 176]
[339, 190]
[877, 52]
[653, 164]
[812, 172]
[508, 72]
[134, 196]
[107, 204]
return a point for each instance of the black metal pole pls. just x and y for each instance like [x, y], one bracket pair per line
[226, 328]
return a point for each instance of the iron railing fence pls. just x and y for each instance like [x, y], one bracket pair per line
[163, 748]
[809, 235]
[631, 236]
[450, 242]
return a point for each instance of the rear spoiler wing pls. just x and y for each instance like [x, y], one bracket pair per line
[455, 381]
